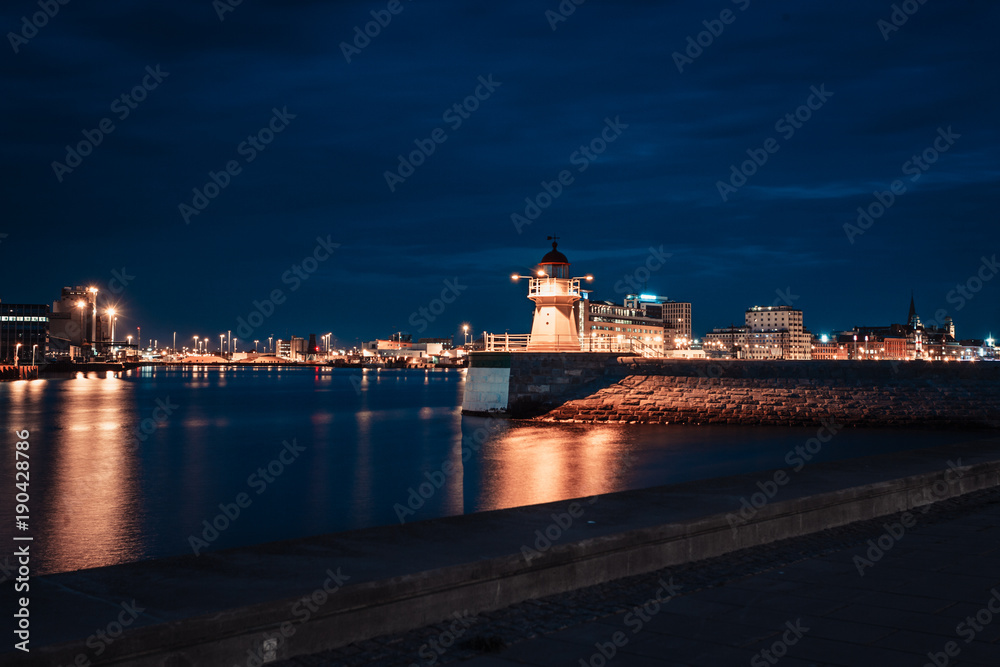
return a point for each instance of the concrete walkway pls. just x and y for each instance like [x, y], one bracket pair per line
[902, 590]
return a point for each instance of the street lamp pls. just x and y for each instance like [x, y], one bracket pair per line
[234, 346]
[114, 318]
[255, 341]
[33, 348]
[465, 331]
[196, 344]
[17, 351]
[269, 348]
[93, 290]
[222, 352]
[129, 338]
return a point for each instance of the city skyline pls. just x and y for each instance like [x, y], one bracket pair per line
[279, 138]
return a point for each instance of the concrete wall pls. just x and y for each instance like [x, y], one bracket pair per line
[487, 383]
[537, 381]
[609, 388]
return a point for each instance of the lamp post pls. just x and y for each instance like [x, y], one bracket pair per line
[255, 341]
[196, 344]
[83, 325]
[222, 352]
[465, 332]
[233, 351]
[113, 317]
[129, 338]
[269, 348]
[93, 333]
[17, 352]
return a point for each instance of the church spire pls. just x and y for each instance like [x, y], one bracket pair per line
[913, 310]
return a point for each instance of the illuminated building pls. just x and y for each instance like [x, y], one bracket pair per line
[655, 321]
[24, 332]
[75, 329]
[776, 332]
[726, 342]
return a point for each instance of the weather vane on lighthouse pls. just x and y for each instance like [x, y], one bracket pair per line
[554, 292]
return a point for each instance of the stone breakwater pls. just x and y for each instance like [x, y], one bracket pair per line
[584, 387]
[794, 394]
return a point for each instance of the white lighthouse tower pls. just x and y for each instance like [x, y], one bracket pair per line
[553, 329]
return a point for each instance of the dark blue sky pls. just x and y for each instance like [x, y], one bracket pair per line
[656, 184]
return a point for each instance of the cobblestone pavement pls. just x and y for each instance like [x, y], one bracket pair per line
[900, 590]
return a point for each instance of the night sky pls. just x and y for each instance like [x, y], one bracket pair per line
[879, 96]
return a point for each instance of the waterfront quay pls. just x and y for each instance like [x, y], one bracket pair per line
[342, 592]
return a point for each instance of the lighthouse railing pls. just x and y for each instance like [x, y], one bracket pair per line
[553, 286]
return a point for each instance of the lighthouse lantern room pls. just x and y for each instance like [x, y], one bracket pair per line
[554, 292]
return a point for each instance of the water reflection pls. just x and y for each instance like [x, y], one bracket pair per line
[536, 463]
[92, 513]
[100, 495]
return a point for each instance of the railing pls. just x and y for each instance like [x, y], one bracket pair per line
[507, 342]
[522, 342]
[553, 287]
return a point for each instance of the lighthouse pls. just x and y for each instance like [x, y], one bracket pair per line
[554, 292]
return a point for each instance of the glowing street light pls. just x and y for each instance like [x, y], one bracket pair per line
[33, 349]
[465, 330]
[112, 315]
[17, 351]
[221, 351]
[196, 344]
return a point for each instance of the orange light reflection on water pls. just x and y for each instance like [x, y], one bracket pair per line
[95, 505]
[530, 465]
